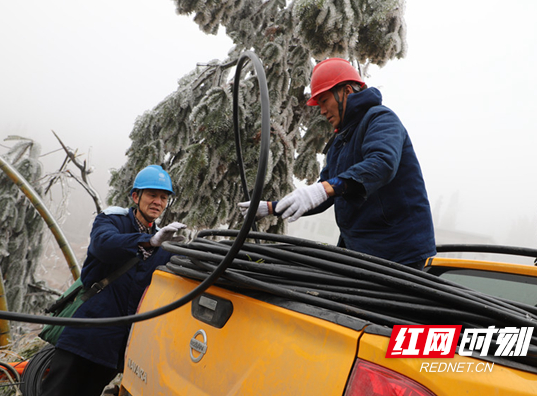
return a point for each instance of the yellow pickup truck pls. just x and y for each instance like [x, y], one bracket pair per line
[295, 317]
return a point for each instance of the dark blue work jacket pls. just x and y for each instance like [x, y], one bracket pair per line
[114, 240]
[393, 219]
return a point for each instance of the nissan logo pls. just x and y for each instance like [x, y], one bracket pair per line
[199, 346]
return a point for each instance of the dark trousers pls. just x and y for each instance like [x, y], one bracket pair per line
[71, 375]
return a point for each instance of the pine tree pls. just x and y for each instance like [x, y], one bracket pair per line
[190, 133]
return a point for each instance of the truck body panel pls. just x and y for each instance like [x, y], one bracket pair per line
[261, 350]
[272, 346]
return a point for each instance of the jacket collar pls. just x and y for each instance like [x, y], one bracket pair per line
[357, 105]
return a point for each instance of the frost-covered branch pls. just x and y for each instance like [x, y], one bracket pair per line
[212, 71]
[83, 180]
[190, 133]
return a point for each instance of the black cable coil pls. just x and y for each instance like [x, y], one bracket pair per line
[35, 371]
[352, 283]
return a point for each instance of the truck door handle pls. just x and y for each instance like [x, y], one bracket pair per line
[213, 310]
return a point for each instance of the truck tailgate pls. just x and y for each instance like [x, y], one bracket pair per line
[263, 349]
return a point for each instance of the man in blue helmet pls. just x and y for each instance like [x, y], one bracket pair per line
[86, 359]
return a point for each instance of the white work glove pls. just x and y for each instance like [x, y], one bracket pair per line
[262, 209]
[166, 233]
[301, 200]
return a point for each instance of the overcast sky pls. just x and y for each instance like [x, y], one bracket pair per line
[466, 92]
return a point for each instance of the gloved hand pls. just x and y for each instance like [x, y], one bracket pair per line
[166, 233]
[262, 209]
[301, 200]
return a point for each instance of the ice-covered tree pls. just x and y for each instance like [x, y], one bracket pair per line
[25, 237]
[190, 132]
[21, 228]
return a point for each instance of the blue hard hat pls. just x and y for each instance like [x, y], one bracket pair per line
[153, 177]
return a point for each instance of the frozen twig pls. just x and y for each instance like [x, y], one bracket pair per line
[83, 180]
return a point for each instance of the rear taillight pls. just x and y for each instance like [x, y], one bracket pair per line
[370, 379]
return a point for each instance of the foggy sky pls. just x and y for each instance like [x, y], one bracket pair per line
[466, 92]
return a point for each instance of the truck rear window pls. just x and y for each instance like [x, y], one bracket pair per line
[515, 287]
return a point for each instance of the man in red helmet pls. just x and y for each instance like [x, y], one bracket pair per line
[372, 175]
[86, 359]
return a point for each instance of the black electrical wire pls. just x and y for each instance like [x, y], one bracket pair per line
[236, 122]
[419, 277]
[34, 372]
[385, 312]
[245, 254]
[478, 248]
[12, 372]
[309, 299]
[396, 311]
[10, 384]
[382, 302]
[240, 238]
[296, 268]
[354, 295]
[335, 255]
[295, 279]
[379, 274]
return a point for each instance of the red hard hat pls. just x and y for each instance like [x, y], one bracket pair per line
[329, 73]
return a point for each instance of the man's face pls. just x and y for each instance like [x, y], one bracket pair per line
[329, 106]
[151, 203]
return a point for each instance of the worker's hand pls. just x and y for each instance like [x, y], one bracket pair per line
[262, 209]
[166, 233]
[301, 200]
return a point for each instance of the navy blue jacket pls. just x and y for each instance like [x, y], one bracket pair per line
[114, 240]
[391, 216]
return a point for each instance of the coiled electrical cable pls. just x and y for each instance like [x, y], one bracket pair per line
[330, 253]
[340, 264]
[348, 282]
[242, 233]
[35, 371]
[390, 278]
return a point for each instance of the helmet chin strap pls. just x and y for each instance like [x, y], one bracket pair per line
[339, 103]
[148, 219]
